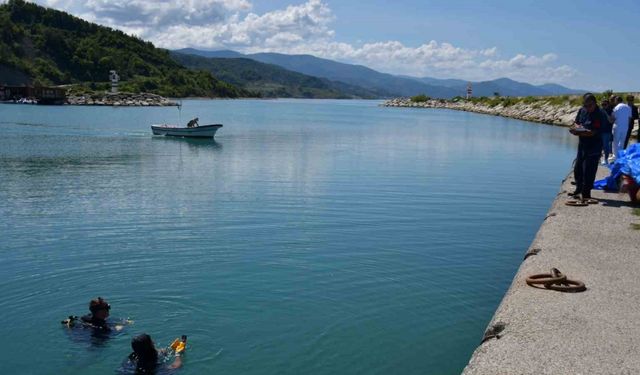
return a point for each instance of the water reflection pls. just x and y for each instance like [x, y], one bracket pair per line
[192, 143]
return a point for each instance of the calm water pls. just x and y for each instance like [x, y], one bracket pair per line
[313, 237]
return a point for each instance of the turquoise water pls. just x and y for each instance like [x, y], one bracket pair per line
[315, 237]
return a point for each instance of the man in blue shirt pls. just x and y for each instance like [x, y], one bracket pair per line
[588, 127]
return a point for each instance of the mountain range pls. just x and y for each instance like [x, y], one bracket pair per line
[388, 85]
[271, 81]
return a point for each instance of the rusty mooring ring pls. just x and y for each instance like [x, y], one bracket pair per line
[568, 286]
[554, 277]
[556, 280]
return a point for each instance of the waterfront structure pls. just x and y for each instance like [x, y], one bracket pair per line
[469, 91]
[114, 78]
[40, 94]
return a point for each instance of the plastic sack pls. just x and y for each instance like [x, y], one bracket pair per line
[627, 163]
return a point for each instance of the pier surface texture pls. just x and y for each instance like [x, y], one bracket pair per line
[593, 332]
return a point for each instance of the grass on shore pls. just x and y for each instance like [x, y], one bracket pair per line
[536, 101]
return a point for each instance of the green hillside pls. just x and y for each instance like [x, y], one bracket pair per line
[53, 47]
[270, 80]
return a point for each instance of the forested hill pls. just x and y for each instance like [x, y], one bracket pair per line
[272, 81]
[53, 47]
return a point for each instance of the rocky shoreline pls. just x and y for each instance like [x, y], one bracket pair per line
[539, 111]
[121, 100]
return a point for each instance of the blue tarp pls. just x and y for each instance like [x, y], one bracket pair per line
[627, 162]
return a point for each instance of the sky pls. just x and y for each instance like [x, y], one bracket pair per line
[579, 43]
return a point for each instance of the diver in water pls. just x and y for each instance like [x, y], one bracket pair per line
[99, 312]
[97, 318]
[147, 359]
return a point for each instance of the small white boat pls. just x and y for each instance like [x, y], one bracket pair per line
[203, 131]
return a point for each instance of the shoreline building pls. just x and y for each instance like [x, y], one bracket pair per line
[33, 94]
[469, 90]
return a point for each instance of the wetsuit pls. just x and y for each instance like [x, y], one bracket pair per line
[96, 323]
[589, 150]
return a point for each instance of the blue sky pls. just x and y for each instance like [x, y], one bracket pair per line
[582, 44]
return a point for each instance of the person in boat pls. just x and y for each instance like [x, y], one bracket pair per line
[193, 123]
[146, 358]
[99, 310]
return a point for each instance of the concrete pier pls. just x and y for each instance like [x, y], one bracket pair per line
[593, 332]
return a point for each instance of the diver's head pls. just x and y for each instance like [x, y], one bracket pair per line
[99, 308]
[144, 350]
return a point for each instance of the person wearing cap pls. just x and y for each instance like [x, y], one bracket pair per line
[587, 126]
[622, 118]
[632, 120]
[99, 312]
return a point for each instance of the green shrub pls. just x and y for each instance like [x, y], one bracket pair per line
[420, 98]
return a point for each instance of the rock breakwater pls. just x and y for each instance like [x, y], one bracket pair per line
[539, 111]
[121, 99]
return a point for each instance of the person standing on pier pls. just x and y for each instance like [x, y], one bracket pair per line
[588, 127]
[632, 120]
[622, 116]
[607, 130]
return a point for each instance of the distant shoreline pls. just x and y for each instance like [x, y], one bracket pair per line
[94, 100]
[542, 111]
[556, 111]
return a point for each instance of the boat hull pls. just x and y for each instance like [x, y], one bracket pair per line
[204, 131]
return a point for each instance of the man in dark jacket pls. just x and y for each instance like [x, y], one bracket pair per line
[607, 130]
[587, 126]
[632, 120]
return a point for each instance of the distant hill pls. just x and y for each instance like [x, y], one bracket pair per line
[559, 89]
[225, 54]
[42, 45]
[503, 86]
[381, 84]
[267, 79]
[385, 85]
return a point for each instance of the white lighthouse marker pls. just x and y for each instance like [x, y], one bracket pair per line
[114, 78]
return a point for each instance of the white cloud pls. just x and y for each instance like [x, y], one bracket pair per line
[149, 15]
[303, 28]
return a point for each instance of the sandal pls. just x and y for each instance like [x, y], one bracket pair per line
[590, 201]
[579, 203]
